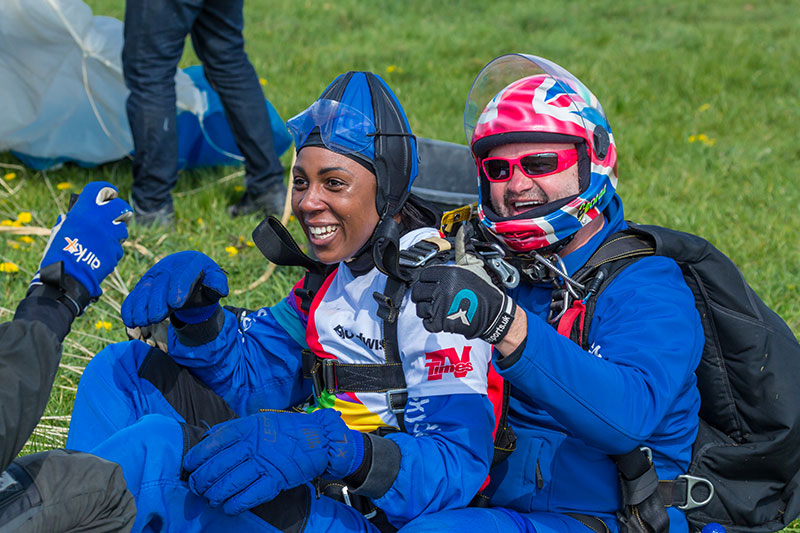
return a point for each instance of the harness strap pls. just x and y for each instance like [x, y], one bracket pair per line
[389, 310]
[620, 245]
[591, 522]
[643, 509]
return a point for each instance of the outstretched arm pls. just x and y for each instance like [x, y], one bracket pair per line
[85, 246]
[253, 363]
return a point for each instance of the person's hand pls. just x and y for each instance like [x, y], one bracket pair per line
[463, 298]
[188, 284]
[87, 241]
[248, 461]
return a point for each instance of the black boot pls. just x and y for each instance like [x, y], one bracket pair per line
[270, 202]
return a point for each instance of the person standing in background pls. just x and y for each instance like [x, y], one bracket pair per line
[155, 32]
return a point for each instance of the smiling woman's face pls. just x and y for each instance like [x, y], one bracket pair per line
[333, 198]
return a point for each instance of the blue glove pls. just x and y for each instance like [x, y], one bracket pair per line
[88, 239]
[188, 284]
[245, 462]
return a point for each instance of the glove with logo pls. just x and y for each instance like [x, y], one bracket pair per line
[462, 298]
[187, 284]
[245, 462]
[87, 241]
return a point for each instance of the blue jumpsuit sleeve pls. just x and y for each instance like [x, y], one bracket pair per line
[444, 457]
[255, 364]
[646, 341]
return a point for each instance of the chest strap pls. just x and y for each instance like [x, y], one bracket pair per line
[332, 376]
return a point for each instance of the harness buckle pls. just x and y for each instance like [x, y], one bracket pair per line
[316, 379]
[647, 452]
[493, 256]
[691, 482]
[346, 496]
[418, 254]
[395, 410]
[508, 274]
[387, 310]
[418, 260]
[323, 376]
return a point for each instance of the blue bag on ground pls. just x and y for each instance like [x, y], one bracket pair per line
[208, 141]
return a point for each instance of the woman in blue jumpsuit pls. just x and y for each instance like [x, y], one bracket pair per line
[252, 469]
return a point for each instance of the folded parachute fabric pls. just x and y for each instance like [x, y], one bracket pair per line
[62, 93]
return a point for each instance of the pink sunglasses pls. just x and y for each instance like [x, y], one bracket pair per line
[533, 165]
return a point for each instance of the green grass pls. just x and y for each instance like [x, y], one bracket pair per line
[664, 72]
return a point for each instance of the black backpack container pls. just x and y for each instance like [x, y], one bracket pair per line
[748, 444]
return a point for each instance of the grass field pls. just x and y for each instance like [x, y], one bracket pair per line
[703, 98]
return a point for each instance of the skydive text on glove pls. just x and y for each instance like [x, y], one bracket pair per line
[83, 254]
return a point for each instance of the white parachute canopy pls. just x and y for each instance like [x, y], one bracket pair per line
[62, 94]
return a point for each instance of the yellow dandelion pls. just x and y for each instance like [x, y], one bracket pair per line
[102, 324]
[241, 238]
[238, 188]
[10, 176]
[231, 251]
[703, 108]
[24, 217]
[200, 222]
[263, 82]
[26, 239]
[292, 218]
[15, 245]
[250, 244]
[8, 267]
[64, 185]
[702, 137]
[16, 224]
[6, 222]
[692, 138]
[391, 68]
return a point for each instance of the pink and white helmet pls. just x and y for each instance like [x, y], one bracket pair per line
[520, 98]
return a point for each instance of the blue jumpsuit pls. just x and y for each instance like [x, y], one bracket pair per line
[571, 409]
[256, 364]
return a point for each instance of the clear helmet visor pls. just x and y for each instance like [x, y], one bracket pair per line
[343, 128]
[499, 74]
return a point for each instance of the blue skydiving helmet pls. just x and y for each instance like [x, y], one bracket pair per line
[359, 116]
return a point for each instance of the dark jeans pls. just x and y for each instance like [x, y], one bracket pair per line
[155, 31]
[60, 490]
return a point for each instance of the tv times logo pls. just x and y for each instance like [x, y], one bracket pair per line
[447, 361]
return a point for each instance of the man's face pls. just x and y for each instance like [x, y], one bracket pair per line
[521, 193]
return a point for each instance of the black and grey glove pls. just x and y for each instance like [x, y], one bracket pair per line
[463, 299]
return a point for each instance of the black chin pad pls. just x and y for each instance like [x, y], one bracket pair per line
[386, 248]
[279, 247]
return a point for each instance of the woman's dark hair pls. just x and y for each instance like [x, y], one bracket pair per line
[417, 213]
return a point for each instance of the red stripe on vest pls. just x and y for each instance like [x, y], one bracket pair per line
[312, 337]
[567, 321]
